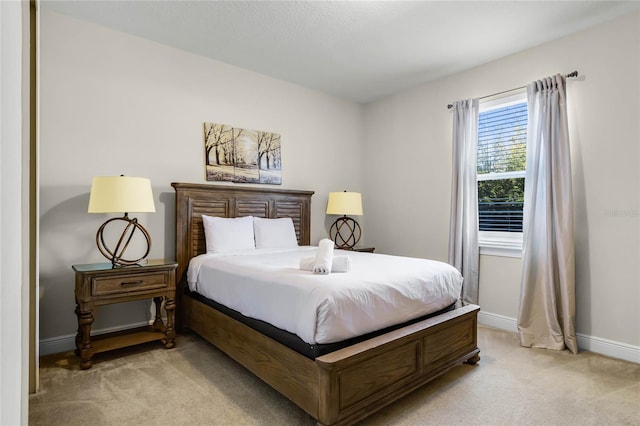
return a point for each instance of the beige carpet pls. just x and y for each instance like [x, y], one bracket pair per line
[195, 384]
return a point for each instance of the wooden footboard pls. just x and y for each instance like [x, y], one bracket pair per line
[346, 385]
[361, 379]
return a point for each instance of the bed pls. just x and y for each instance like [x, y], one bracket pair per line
[339, 387]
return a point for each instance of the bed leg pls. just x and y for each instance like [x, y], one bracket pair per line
[473, 360]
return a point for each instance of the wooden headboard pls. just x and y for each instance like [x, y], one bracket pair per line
[194, 200]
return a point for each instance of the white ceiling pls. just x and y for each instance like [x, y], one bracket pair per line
[358, 50]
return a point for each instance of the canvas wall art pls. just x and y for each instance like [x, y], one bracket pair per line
[241, 155]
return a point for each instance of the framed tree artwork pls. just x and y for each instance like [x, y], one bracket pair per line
[241, 155]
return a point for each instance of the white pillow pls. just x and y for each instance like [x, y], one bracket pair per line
[228, 234]
[274, 233]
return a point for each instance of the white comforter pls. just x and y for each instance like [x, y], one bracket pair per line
[380, 290]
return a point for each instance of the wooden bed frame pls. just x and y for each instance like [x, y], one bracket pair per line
[341, 387]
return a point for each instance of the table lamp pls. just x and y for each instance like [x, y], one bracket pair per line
[121, 194]
[345, 231]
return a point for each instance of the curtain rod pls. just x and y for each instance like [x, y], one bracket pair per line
[571, 74]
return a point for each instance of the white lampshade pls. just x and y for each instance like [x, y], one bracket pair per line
[121, 194]
[345, 203]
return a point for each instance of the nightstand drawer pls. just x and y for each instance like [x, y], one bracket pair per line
[102, 286]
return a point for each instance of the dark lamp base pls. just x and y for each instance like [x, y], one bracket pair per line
[345, 232]
[116, 256]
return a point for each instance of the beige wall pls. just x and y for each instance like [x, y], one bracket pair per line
[112, 103]
[501, 294]
[407, 172]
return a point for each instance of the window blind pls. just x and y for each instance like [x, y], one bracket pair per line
[502, 141]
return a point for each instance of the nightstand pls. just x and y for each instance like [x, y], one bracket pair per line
[101, 284]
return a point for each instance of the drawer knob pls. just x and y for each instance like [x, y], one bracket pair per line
[124, 283]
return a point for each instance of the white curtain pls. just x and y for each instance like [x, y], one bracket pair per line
[463, 231]
[547, 298]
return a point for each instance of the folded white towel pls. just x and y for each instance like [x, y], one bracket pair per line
[324, 257]
[341, 263]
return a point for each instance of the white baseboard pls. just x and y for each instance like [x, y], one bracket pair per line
[54, 345]
[609, 348]
[498, 321]
[585, 343]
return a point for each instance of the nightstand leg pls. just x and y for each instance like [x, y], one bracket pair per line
[85, 319]
[79, 331]
[170, 307]
[157, 323]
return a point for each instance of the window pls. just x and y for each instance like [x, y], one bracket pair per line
[502, 141]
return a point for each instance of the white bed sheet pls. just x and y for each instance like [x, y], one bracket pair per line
[380, 290]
